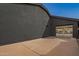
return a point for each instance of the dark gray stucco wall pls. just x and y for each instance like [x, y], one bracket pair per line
[75, 33]
[50, 28]
[21, 22]
[77, 30]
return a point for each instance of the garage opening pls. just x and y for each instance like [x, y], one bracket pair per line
[64, 31]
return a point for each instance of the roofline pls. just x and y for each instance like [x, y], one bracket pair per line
[46, 10]
[66, 18]
[58, 17]
[41, 6]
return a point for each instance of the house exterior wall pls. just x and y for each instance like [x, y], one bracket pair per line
[50, 28]
[21, 22]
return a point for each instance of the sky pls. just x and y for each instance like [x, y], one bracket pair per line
[70, 10]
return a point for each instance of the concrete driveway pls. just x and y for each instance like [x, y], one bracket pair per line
[49, 46]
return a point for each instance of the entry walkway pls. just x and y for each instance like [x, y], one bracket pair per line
[49, 46]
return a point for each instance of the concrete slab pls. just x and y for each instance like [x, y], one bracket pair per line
[69, 48]
[15, 50]
[49, 46]
[43, 45]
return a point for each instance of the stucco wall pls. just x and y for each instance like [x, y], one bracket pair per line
[21, 22]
